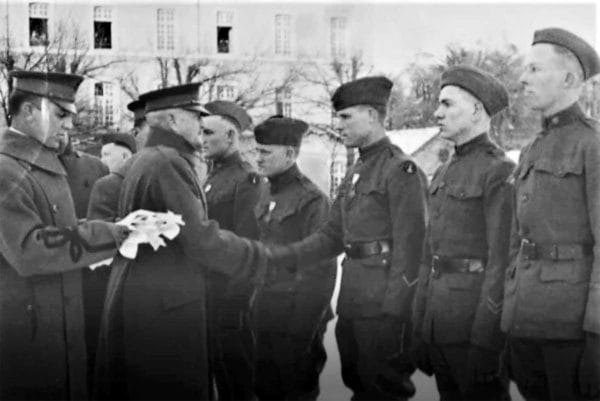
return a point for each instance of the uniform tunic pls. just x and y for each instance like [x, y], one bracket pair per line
[293, 309]
[43, 248]
[552, 288]
[382, 198]
[459, 296]
[232, 190]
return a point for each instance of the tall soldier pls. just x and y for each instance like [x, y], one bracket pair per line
[42, 246]
[292, 310]
[232, 189]
[378, 218]
[104, 199]
[153, 338]
[459, 296]
[552, 290]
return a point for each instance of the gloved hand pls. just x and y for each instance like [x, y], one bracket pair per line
[483, 365]
[589, 367]
[419, 353]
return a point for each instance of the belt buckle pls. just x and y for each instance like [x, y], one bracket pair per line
[528, 249]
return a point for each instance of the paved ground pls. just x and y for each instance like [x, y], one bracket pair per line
[333, 389]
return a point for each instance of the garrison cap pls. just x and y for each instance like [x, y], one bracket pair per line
[137, 107]
[370, 91]
[231, 111]
[58, 87]
[279, 130]
[124, 140]
[481, 84]
[585, 53]
[185, 97]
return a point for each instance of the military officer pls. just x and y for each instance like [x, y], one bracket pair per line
[42, 246]
[104, 198]
[552, 289]
[378, 219]
[459, 296]
[232, 189]
[116, 149]
[153, 340]
[292, 310]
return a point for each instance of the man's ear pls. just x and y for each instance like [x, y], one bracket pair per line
[571, 81]
[172, 120]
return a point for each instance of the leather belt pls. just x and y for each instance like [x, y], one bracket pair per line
[532, 251]
[360, 250]
[441, 264]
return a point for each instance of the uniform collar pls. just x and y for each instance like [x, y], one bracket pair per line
[282, 180]
[30, 150]
[563, 117]
[227, 160]
[374, 148]
[469, 146]
[159, 136]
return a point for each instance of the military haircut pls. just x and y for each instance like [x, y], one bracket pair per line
[17, 98]
[160, 118]
[379, 109]
[569, 61]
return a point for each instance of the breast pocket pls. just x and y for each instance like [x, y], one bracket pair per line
[560, 180]
[464, 201]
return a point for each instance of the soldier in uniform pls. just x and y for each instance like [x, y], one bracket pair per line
[104, 198]
[552, 289]
[154, 330]
[460, 291]
[292, 310]
[42, 246]
[232, 189]
[116, 149]
[378, 219]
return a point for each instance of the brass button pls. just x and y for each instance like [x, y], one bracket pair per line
[55, 208]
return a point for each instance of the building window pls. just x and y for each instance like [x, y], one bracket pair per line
[102, 28]
[104, 103]
[165, 29]
[282, 34]
[338, 37]
[225, 92]
[38, 24]
[283, 102]
[338, 170]
[224, 24]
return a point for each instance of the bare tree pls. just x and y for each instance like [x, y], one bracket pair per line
[66, 51]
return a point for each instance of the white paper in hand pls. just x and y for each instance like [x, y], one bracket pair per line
[148, 228]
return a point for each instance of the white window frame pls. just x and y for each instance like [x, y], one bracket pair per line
[225, 19]
[165, 45]
[38, 10]
[103, 13]
[105, 105]
[283, 34]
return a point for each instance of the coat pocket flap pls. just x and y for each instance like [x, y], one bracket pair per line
[559, 168]
[568, 271]
[464, 191]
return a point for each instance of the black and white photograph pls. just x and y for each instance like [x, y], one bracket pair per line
[299, 200]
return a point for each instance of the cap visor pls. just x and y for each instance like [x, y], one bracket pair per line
[198, 109]
[68, 106]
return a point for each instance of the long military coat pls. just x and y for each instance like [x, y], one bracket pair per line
[42, 247]
[154, 323]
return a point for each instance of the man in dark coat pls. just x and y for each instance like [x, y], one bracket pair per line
[460, 291]
[552, 290]
[378, 218]
[83, 170]
[292, 310]
[154, 335]
[43, 247]
[232, 189]
[104, 198]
